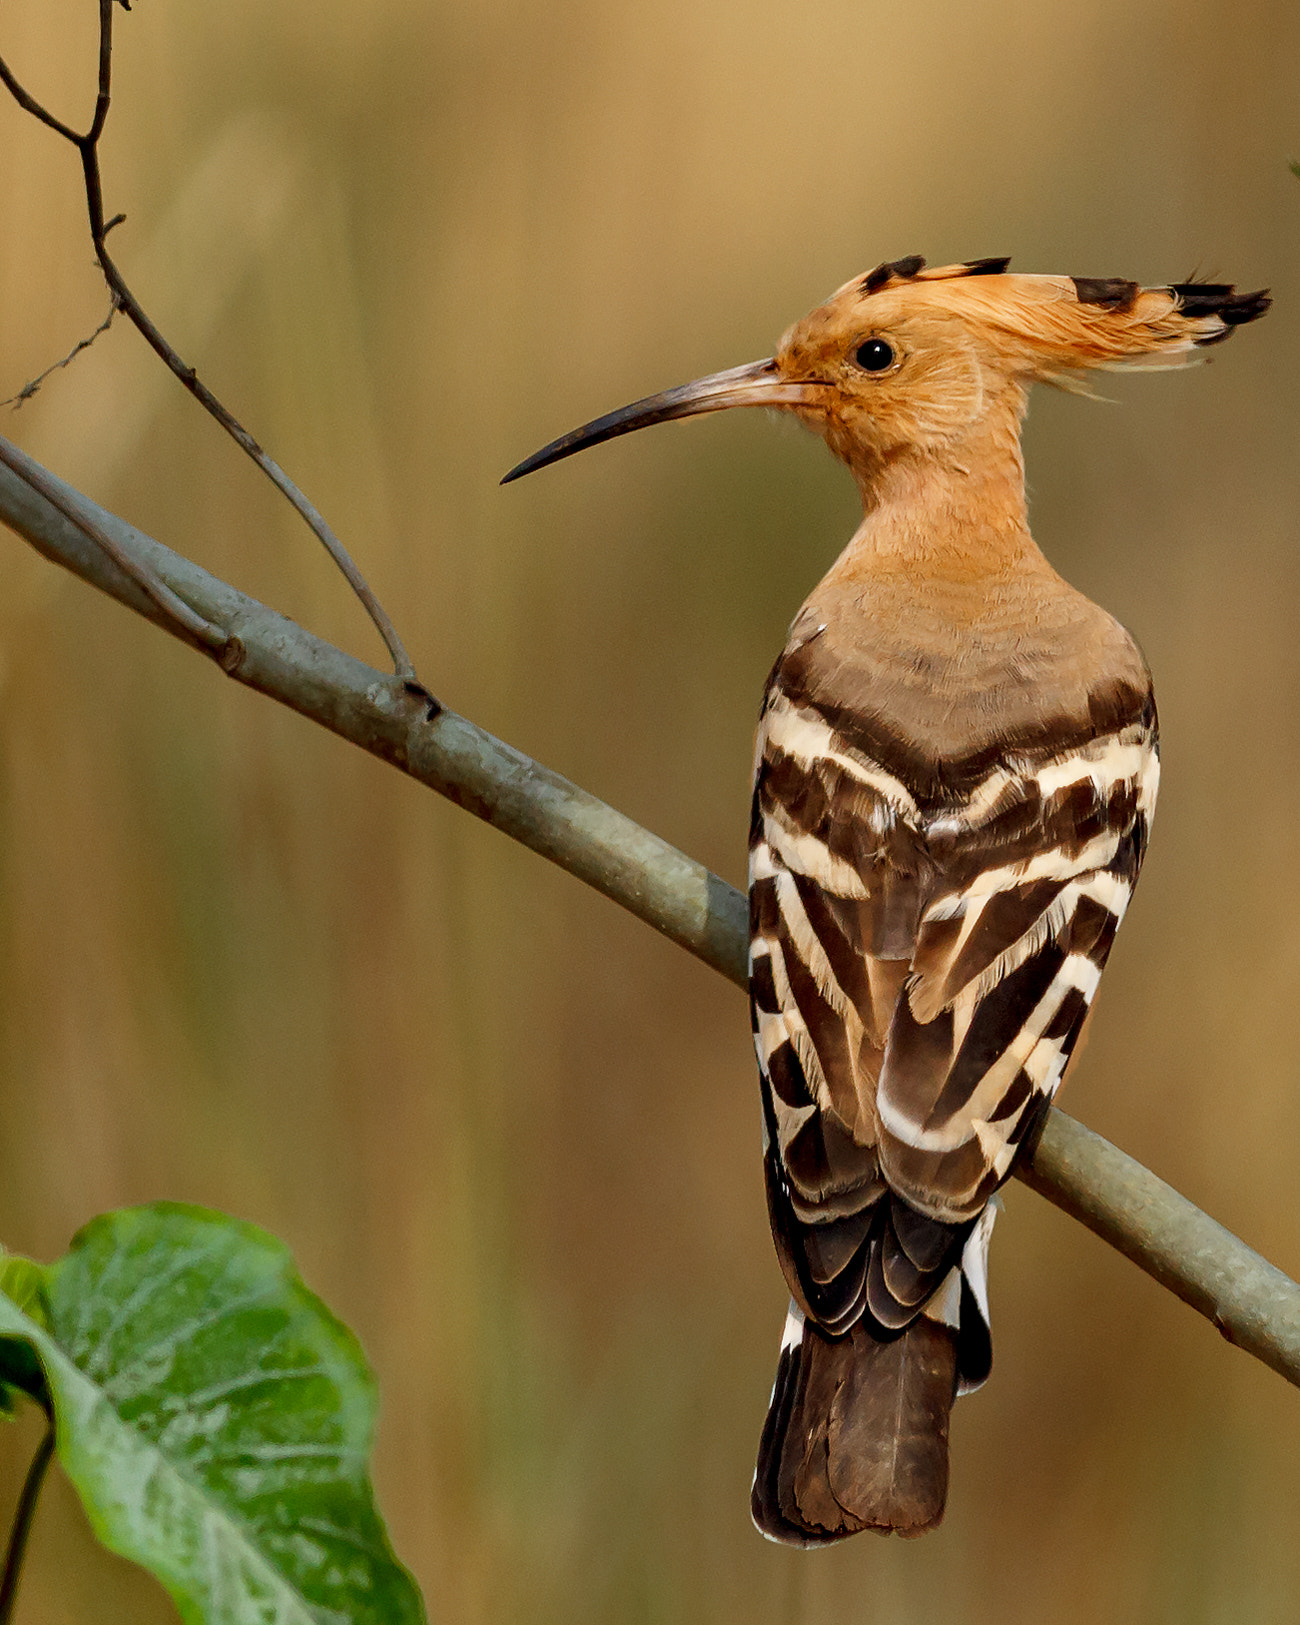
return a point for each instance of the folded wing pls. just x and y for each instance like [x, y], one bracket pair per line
[920, 973]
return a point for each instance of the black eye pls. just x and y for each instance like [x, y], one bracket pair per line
[874, 356]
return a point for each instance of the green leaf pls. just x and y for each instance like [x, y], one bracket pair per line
[1294, 167]
[23, 1280]
[216, 1421]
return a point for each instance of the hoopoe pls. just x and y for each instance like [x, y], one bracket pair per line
[955, 773]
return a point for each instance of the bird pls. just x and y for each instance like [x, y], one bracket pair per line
[955, 771]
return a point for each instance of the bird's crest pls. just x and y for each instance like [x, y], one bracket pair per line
[1050, 328]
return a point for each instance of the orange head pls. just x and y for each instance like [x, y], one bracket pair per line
[909, 359]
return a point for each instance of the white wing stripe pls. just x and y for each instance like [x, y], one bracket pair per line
[1110, 764]
[812, 858]
[796, 1031]
[1054, 864]
[803, 736]
[806, 943]
[1027, 1049]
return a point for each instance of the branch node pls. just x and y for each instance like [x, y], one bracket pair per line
[232, 655]
[417, 691]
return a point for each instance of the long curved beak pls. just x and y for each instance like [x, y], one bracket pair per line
[757, 383]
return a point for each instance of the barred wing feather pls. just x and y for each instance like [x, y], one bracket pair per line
[920, 973]
[1029, 892]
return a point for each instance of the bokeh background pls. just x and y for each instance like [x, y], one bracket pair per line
[511, 1135]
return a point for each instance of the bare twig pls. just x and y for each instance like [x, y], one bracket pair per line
[1253, 1304]
[87, 146]
[21, 1527]
[29, 389]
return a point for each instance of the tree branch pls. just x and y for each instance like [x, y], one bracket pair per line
[87, 146]
[147, 580]
[1253, 1304]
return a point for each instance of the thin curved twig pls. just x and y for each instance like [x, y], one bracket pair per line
[87, 146]
[1253, 1304]
[30, 388]
[21, 1527]
[144, 577]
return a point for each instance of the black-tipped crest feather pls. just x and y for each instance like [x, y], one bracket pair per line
[1221, 299]
[891, 271]
[1110, 292]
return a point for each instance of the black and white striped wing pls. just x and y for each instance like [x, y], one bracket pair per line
[919, 977]
[838, 874]
[1033, 875]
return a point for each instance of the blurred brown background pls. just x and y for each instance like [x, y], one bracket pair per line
[511, 1135]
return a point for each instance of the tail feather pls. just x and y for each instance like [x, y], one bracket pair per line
[856, 1436]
